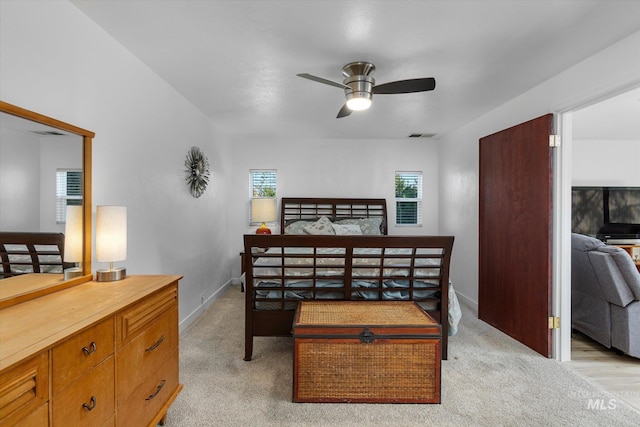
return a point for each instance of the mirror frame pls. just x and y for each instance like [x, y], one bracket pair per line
[87, 138]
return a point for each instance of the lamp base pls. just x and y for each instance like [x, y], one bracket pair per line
[111, 275]
[263, 229]
[72, 272]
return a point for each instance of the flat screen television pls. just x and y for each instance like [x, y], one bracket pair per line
[608, 213]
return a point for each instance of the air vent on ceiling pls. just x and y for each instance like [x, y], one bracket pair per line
[47, 133]
[422, 135]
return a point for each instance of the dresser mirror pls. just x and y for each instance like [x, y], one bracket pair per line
[38, 155]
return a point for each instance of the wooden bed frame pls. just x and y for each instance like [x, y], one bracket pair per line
[416, 251]
[22, 249]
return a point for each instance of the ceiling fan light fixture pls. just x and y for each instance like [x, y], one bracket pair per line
[359, 86]
[359, 102]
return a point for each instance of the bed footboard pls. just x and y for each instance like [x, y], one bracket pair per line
[281, 270]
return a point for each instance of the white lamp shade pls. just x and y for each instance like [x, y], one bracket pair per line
[111, 233]
[73, 234]
[263, 209]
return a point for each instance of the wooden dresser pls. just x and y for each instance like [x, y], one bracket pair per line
[96, 354]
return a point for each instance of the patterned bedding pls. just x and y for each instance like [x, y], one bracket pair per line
[375, 275]
[21, 264]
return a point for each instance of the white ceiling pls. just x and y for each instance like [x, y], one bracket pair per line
[237, 60]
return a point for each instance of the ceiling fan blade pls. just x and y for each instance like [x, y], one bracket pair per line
[406, 86]
[344, 112]
[321, 80]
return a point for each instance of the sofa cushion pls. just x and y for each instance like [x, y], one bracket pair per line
[627, 268]
[580, 242]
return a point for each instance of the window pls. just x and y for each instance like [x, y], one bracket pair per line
[408, 198]
[68, 191]
[263, 183]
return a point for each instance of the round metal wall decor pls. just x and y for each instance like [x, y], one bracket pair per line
[197, 170]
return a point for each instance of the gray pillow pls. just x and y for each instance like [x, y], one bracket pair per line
[320, 227]
[367, 225]
[297, 227]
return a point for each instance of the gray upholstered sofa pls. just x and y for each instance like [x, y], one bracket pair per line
[605, 294]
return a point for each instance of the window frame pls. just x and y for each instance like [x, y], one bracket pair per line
[404, 175]
[62, 193]
[272, 183]
[253, 187]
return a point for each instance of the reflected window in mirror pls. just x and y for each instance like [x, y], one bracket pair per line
[68, 191]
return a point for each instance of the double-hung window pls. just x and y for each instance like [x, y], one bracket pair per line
[263, 183]
[68, 191]
[408, 198]
[263, 186]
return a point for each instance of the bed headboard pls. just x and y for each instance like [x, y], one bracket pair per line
[296, 208]
[31, 253]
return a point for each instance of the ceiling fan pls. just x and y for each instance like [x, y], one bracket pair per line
[359, 86]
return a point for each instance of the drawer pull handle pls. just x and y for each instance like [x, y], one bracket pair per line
[91, 405]
[156, 345]
[91, 349]
[157, 390]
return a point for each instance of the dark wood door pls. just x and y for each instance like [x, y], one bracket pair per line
[515, 221]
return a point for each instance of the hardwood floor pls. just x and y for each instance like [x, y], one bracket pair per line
[618, 374]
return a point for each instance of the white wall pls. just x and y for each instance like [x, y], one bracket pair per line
[28, 165]
[59, 63]
[333, 168]
[611, 70]
[610, 162]
[19, 176]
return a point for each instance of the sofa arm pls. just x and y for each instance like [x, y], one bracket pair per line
[612, 282]
[626, 266]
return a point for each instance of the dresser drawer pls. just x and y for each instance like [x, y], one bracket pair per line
[37, 418]
[23, 389]
[151, 396]
[133, 320]
[80, 353]
[90, 402]
[146, 352]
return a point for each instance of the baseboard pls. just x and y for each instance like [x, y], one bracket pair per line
[468, 302]
[192, 317]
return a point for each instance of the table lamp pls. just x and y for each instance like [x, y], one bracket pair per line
[111, 241]
[73, 241]
[263, 210]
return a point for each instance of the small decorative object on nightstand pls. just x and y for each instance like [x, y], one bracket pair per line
[263, 210]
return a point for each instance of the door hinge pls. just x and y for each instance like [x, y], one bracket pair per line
[554, 140]
[554, 322]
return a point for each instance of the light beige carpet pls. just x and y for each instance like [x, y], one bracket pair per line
[489, 380]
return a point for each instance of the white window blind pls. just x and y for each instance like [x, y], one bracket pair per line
[263, 183]
[68, 191]
[408, 198]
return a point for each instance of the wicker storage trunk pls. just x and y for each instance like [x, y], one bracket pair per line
[365, 351]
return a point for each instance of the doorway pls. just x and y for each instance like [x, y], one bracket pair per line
[593, 136]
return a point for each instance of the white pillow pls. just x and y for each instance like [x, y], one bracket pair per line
[346, 229]
[321, 226]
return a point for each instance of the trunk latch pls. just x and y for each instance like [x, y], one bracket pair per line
[367, 336]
